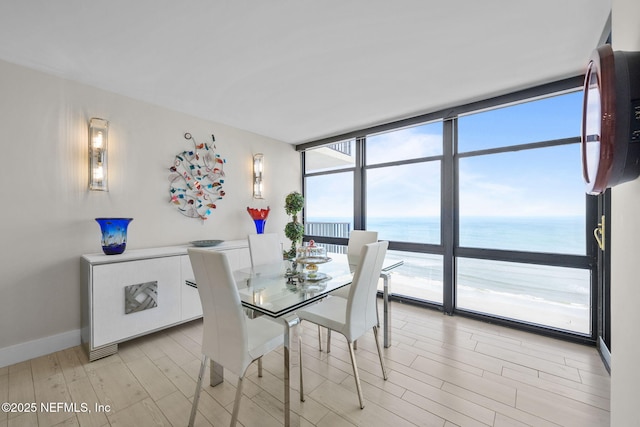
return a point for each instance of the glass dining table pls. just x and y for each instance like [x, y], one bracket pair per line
[272, 290]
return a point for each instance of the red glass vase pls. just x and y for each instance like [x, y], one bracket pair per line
[259, 217]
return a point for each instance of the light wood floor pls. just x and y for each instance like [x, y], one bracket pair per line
[443, 371]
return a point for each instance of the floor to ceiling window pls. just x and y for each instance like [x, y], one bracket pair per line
[329, 190]
[485, 205]
[403, 175]
[520, 191]
[403, 170]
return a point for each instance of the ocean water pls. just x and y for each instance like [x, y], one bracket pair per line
[561, 235]
[564, 235]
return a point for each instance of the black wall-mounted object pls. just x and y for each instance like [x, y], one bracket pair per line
[611, 119]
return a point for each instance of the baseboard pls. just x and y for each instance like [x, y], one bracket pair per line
[36, 348]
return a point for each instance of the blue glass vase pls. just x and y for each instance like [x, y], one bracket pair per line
[114, 234]
[260, 225]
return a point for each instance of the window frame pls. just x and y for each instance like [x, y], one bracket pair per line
[449, 246]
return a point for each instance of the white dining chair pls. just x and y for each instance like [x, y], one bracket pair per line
[355, 315]
[357, 240]
[264, 248]
[229, 337]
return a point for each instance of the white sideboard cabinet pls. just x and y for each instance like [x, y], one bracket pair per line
[141, 291]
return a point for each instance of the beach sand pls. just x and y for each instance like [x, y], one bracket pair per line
[574, 318]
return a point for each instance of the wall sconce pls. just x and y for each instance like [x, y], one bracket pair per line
[98, 138]
[258, 164]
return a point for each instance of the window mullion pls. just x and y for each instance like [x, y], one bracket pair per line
[359, 183]
[448, 215]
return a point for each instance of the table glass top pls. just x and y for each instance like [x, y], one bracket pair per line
[266, 288]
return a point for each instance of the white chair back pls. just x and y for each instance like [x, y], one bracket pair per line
[264, 248]
[361, 304]
[357, 239]
[228, 337]
[225, 337]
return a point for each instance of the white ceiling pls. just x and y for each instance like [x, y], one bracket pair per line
[298, 70]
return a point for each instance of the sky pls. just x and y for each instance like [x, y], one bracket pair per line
[541, 182]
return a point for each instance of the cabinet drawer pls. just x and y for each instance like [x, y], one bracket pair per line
[110, 321]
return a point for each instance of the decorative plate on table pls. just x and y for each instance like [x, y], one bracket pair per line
[317, 277]
[313, 260]
[206, 243]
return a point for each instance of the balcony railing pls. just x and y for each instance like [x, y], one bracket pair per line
[329, 229]
[342, 147]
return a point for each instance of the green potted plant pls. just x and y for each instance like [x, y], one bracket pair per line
[294, 230]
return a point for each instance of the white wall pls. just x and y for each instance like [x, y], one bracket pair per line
[625, 254]
[47, 214]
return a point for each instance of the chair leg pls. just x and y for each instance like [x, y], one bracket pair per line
[259, 367]
[300, 363]
[196, 396]
[236, 402]
[352, 354]
[355, 344]
[320, 337]
[384, 369]
[328, 340]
